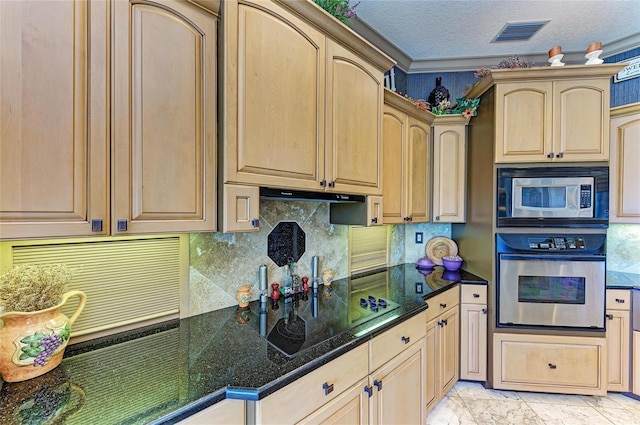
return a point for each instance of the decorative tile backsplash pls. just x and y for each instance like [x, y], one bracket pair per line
[623, 248]
[220, 263]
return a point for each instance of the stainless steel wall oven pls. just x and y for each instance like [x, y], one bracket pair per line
[551, 281]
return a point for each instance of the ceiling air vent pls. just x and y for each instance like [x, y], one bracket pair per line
[518, 31]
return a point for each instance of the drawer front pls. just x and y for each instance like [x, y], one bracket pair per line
[618, 299]
[314, 389]
[551, 364]
[473, 294]
[391, 343]
[443, 302]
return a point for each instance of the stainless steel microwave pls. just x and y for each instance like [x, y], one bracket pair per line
[553, 197]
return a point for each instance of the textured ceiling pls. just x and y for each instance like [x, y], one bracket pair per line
[457, 34]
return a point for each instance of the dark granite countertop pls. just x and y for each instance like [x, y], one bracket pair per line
[167, 372]
[622, 280]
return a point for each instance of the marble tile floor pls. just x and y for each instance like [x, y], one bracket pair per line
[469, 403]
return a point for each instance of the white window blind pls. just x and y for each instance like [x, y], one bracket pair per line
[126, 281]
[368, 248]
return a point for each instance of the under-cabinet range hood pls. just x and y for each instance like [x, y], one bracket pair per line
[301, 195]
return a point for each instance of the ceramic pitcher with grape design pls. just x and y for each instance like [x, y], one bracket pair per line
[32, 343]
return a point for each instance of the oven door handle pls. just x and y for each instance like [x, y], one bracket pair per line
[552, 257]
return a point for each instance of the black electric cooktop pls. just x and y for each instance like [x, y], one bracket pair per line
[299, 322]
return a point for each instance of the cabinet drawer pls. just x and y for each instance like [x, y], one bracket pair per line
[443, 302]
[550, 363]
[308, 393]
[391, 343]
[473, 294]
[618, 299]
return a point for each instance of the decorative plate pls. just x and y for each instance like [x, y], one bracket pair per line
[439, 247]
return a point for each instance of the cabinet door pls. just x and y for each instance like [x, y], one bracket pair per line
[618, 346]
[394, 128]
[274, 98]
[351, 407]
[164, 117]
[636, 363]
[624, 205]
[431, 384]
[353, 124]
[449, 174]
[226, 412]
[473, 342]
[53, 152]
[240, 208]
[449, 329]
[581, 120]
[523, 122]
[398, 388]
[418, 188]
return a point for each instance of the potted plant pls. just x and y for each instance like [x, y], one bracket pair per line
[33, 330]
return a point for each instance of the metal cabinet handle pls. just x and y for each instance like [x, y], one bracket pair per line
[443, 305]
[332, 183]
[323, 182]
[484, 311]
[121, 225]
[328, 388]
[445, 322]
[440, 323]
[619, 301]
[368, 390]
[552, 366]
[560, 155]
[437, 218]
[255, 222]
[405, 339]
[609, 316]
[378, 384]
[550, 155]
[374, 220]
[476, 295]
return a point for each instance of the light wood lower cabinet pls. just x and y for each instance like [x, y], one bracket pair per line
[443, 346]
[546, 363]
[636, 363]
[376, 383]
[618, 324]
[226, 412]
[473, 333]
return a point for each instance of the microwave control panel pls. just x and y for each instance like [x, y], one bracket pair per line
[585, 196]
[556, 243]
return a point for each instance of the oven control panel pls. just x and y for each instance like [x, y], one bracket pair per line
[556, 243]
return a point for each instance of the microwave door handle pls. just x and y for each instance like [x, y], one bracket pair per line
[552, 257]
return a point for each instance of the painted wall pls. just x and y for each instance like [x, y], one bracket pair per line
[220, 263]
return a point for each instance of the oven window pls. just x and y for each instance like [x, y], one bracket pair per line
[544, 196]
[551, 289]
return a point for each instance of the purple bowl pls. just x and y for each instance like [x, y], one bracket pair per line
[451, 265]
[424, 263]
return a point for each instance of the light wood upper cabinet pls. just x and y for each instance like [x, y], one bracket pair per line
[164, 117]
[54, 119]
[119, 134]
[548, 114]
[407, 161]
[624, 201]
[449, 169]
[301, 110]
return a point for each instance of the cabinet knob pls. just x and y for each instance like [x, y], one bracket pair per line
[328, 388]
[560, 155]
[255, 222]
[619, 301]
[437, 218]
[378, 384]
[552, 366]
[445, 321]
[332, 183]
[440, 323]
[374, 220]
[368, 390]
[550, 155]
[476, 295]
[443, 305]
[96, 225]
[610, 316]
[484, 311]
[405, 339]
[323, 182]
[121, 225]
